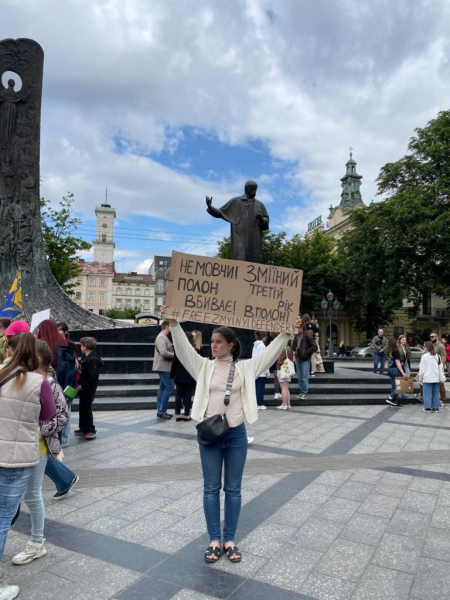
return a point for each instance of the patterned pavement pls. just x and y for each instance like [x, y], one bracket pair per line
[338, 503]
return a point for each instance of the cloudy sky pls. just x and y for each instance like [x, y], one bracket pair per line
[166, 101]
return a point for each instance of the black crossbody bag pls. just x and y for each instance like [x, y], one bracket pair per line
[216, 428]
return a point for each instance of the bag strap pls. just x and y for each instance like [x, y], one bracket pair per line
[229, 383]
[15, 374]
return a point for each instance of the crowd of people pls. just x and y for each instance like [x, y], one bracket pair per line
[40, 374]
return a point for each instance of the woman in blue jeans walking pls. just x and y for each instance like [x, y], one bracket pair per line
[26, 398]
[430, 377]
[230, 454]
[395, 369]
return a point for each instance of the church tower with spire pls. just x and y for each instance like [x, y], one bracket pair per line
[351, 184]
[104, 236]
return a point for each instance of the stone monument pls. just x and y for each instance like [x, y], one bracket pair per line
[248, 218]
[21, 243]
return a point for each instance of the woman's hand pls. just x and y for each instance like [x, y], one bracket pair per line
[172, 322]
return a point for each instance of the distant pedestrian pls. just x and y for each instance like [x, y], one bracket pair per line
[440, 351]
[341, 351]
[405, 354]
[64, 358]
[258, 348]
[198, 342]
[284, 384]
[65, 433]
[185, 385]
[4, 324]
[90, 366]
[304, 348]
[26, 399]
[162, 362]
[429, 377]
[395, 369]
[380, 347]
[447, 353]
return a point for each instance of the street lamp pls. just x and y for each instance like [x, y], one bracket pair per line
[330, 305]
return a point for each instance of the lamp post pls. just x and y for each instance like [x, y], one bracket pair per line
[330, 306]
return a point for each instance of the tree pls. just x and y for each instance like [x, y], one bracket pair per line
[314, 255]
[61, 245]
[115, 313]
[398, 250]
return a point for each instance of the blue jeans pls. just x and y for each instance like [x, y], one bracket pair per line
[65, 433]
[165, 390]
[303, 375]
[393, 373]
[12, 485]
[61, 475]
[260, 384]
[379, 360]
[431, 395]
[33, 499]
[232, 452]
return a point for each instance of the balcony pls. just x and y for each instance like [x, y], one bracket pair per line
[437, 313]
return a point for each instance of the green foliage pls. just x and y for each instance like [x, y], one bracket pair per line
[115, 313]
[315, 255]
[60, 245]
[399, 249]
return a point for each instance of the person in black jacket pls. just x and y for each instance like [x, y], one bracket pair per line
[90, 366]
[304, 348]
[185, 384]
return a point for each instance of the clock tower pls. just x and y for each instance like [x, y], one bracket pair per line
[104, 237]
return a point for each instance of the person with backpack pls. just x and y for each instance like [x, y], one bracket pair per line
[26, 399]
[49, 449]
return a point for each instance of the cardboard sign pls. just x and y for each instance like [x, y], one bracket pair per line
[38, 317]
[404, 385]
[233, 293]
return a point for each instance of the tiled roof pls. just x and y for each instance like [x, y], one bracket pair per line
[96, 268]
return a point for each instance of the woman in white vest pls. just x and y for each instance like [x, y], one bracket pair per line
[25, 399]
[213, 377]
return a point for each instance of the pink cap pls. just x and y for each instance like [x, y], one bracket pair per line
[17, 327]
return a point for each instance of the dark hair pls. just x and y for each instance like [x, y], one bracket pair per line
[48, 331]
[259, 335]
[190, 338]
[5, 322]
[306, 319]
[429, 347]
[13, 342]
[63, 327]
[431, 332]
[230, 336]
[164, 324]
[392, 345]
[88, 342]
[45, 355]
[25, 357]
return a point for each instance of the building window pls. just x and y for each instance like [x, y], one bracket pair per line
[91, 296]
[160, 286]
[103, 238]
[119, 291]
[118, 304]
[146, 292]
[398, 331]
[426, 304]
[137, 306]
[159, 300]
[138, 292]
[78, 295]
[103, 282]
[127, 304]
[146, 306]
[128, 292]
[102, 297]
[92, 281]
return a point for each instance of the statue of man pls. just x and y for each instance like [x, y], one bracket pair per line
[248, 218]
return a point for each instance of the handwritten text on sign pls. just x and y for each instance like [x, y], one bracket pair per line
[233, 293]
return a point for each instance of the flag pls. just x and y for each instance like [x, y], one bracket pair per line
[12, 307]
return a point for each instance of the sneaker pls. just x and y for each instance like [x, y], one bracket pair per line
[390, 401]
[441, 405]
[426, 409]
[61, 495]
[78, 432]
[435, 410]
[281, 407]
[250, 440]
[418, 397]
[8, 592]
[301, 396]
[390, 398]
[312, 374]
[90, 436]
[32, 551]
[277, 396]
[262, 407]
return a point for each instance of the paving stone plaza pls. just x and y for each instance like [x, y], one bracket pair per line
[341, 502]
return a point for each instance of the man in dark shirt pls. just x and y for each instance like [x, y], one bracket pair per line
[90, 366]
[304, 347]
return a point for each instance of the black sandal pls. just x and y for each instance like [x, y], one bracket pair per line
[215, 551]
[179, 419]
[231, 551]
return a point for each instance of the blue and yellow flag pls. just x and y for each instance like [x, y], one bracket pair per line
[12, 307]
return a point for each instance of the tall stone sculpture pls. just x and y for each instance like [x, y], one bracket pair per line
[21, 242]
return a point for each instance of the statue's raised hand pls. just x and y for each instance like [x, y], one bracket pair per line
[209, 201]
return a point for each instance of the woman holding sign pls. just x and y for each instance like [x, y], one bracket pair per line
[226, 388]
